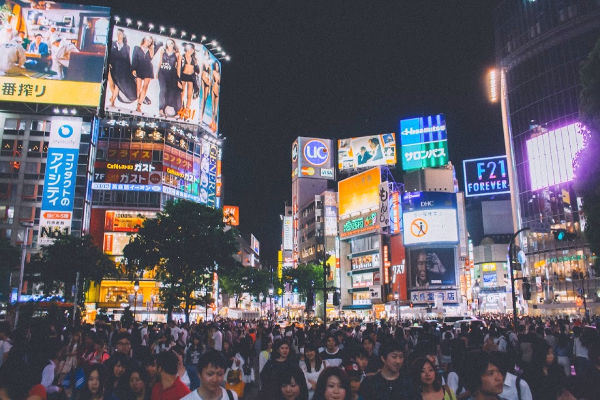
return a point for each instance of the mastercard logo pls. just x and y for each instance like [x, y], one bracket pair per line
[308, 171]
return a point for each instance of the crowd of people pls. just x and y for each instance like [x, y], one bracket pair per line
[234, 359]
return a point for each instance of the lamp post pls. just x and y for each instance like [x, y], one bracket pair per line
[271, 300]
[136, 287]
[397, 298]
[27, 226]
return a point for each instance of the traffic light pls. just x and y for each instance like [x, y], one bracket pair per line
[336, 298]
[526, 289]
[562, 235]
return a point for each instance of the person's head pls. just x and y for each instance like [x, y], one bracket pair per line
[179, 353]
[211, 369]
[355, 378]
[147, 41]
[95, 380]
[117, 365]
[362, 359]
[483, 375]
[331, 343]
[281, 348]
[333, 384]
[137, 381]
[150, 368]
[421, 267]
[167, 363]
[392, 355]
[543, 355]
[424, 374]
[38, 38]
[368, 345]
[190, 48]
[310, 352]
[123, 343]
[292, 384]
[373, 142]
[121, 38]
[363, 150]
[170, 45]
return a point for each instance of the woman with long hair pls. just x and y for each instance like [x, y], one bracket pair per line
[205, 80]
[545, 377]
[312, 366]
[333, 384]
[95, 384]
[141, 67]
[290, 385]
[168, 78]
[117, 367]
[137, 385]
[281, 358]
[190, 68]
[428, 382]
[214, 94]
[120, 80]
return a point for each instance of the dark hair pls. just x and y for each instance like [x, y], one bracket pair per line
[476, 366]
[390, 347]
[361, 353]
[284, 377]
[318, 361]
[121, 336]
[374, 140]
[168, 362]
[115, 359]
[332, 336]
[85, 391]
[143, 376]
[415, 370]
[278, 343]
[211, 357]
[324, 377]
[368, 339]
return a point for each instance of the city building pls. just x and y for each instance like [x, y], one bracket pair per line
[539, 48]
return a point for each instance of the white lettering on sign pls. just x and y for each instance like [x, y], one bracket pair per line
[425, 154]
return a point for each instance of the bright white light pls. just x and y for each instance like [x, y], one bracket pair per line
[219, 48]
[128, 21]
[203, 38]
[65, 111]
[162, 29]
[56, 110]
[227, 58]
[214, 43]
[73, 111]
[150, 26]
[173, 31]
[183, 33]
[193, 37]
[493, 85]
[117, 19]
[551, 156]
[139, 24]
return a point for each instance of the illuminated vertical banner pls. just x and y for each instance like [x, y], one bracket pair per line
[204, 172]
[59, 180]
[395, 214]
[212, 175]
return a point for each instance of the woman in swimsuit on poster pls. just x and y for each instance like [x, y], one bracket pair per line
[142, 69]
[205, 82]
[187, 77]
[216, 85]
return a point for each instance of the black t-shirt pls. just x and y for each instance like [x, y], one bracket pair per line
[376, 387]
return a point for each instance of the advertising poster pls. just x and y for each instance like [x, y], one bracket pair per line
[486, 176]
[58, 51]
[314, 158]
[180, 80]
[288, 233]
[367, 151]
[432, 267]
[231, 215]
[429, 217]
[133, 173]
[434, 297]
[125, 221]
[59, 180]
[424, 142]
[359, 192]
[255, 244]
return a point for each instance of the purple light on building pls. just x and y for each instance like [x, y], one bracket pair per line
[551, 155]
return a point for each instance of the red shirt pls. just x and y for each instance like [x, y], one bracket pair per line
[175, 392]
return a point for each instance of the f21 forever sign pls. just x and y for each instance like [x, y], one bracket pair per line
[486, 176]
[429, 217]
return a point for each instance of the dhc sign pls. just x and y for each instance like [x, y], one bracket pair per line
[316, 152]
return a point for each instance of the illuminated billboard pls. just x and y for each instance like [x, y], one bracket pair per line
[486, 176]
[52, 53]
[254, 244]
[551, 155]
[424, 142]
[231, 215]
[179, 80]
[359, 192]
[313, 158]
[432, 267]
[288, 233]
[429, 217]
[367, 151]
[59, 180]
[130, 172]
[125, 221]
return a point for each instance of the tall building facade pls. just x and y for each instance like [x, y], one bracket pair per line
[539, 48]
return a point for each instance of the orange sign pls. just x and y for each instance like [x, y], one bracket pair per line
[231, 215]
[360, 192]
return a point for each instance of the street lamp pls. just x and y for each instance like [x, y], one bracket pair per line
[27, 226]
[136, 287]
[397, 298]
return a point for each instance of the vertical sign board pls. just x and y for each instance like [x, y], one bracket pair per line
[384, 205]
[288, 233]
[255, 244]
[59, 180]
[424, 142]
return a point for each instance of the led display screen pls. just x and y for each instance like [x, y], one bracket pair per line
[359, 192]
[367, 151]
[486, 176]
[429, 217]
[52, 52]
[424, 142]
[432, 267]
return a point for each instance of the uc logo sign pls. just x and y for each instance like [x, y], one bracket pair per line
[316, 152]
[65, 131]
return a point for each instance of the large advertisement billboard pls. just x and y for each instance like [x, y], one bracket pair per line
[359, 192]
[486, 176]
[367, 151]
[429, 217]
[162, 77]
[432, 267]
[231, 215]
[424, 142]
[59, 181]
[313, 158]
[551, 155]
[52, 52]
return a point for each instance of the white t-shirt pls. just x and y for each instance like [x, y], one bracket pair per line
[218, 340]
[193, 395]
[5, 347]
[175, 333]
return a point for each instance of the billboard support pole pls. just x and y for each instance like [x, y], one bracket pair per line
[511, 259]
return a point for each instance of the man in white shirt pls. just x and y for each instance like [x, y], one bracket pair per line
[514, 388]
[217, 338]
[5, 344]
[49, 371]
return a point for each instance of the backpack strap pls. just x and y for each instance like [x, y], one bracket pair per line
[229, 394]
[518, 384]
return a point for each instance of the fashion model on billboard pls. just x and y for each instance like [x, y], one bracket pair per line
[120, 80]
[190, 69]
[216, 84]
[427, 268]
[205, 79]
[168, 78]
[141, 68]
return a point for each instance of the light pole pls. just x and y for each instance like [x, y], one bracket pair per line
[271, 300]
[27, 226]
[397, 298]
[136, 287]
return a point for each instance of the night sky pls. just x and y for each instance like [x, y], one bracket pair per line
[334, 69]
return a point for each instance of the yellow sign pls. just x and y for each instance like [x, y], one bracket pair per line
[359, 192]
[489, 267]
[31, 90]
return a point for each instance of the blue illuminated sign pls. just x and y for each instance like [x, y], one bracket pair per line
[486, 176]
[59, 182]
[424, 142]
